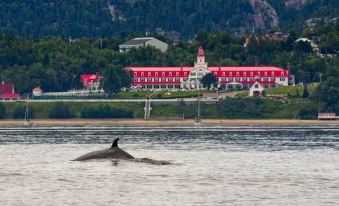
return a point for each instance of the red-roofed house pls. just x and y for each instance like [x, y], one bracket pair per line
[236, 77]
[91, 82]
[37, 91]
[7, 91]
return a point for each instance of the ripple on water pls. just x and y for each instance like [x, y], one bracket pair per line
[209, 166]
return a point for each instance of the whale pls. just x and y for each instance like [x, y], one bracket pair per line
[114, 152]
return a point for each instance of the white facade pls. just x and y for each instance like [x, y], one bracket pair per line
[199, 70]
[257, 89]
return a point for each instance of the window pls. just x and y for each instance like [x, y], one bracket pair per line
[256, 86]
[156, 79]
[185, 74]
[156, 74]
[135, 74]
[149, 74]
[224, 74]
[237, 74]
[142, 74]
[177, 74]
[163, 74]
[272, 74]
[230, 74]
[170, 74]
[282, 74]
[251, 74]
[265, 74]
[244, 74]
[215, 74]
[193, 74]
[258, 73]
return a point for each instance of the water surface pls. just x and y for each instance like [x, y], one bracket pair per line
[211, 166]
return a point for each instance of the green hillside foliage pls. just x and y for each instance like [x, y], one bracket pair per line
[79, 18]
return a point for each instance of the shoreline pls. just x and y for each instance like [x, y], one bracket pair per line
[160, 122]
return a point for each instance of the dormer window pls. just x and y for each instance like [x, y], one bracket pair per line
[237, 74]
[177, 74]
[170, 74]
[163, 74]
[230, 74]
[149, 74]
[156, 74]
[142, 74]
[224, 74]
[272, 74]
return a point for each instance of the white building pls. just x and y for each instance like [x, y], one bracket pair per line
[143, 42]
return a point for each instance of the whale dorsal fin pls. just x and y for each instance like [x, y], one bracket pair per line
[115, 143]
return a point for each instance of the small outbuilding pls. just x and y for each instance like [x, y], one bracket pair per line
[257, 89]
[37, 91]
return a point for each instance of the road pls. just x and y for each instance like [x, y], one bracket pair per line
[115, 100]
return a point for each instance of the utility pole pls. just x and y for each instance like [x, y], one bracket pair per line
[320, 75]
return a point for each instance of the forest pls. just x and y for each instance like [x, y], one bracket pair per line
[175, 18]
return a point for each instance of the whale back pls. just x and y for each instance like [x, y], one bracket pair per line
[112, 153]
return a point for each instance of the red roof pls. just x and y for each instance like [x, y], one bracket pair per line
[37, 89]
[6, 88]
[10, 96]
[245, 68]
[89, 78]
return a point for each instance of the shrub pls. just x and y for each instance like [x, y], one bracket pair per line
[60, 111]
[105, 111]
[2, 111]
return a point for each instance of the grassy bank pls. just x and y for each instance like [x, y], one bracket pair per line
[231, 108]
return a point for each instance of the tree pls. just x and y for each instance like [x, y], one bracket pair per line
[209, 80]
[303, 47]
[115, 79]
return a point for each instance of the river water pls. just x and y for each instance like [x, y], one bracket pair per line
[210, 166]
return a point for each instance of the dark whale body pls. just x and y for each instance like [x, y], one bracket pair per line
[111, 153]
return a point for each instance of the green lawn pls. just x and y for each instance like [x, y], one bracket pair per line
[292, 91]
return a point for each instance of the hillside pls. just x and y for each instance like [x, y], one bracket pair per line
[79, 18]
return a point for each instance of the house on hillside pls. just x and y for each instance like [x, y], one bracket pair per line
[277, 36]
[91, 82]
[7, 91]
[143, 42]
